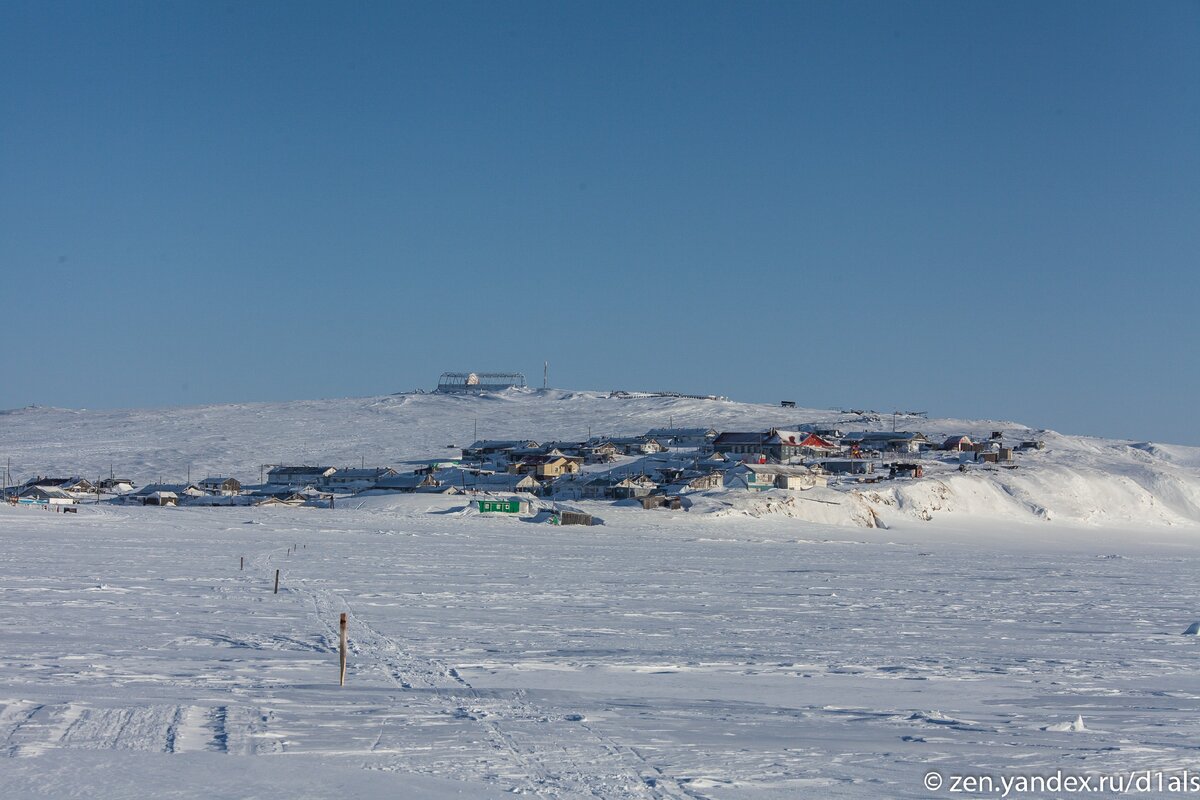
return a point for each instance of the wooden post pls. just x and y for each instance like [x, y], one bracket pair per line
[241, 562]
[342, 650]
[276, 581]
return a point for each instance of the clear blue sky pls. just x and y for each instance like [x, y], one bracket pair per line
[975, 209]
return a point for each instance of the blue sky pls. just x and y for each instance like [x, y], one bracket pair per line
[975, 209]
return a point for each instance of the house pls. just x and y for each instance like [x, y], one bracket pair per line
[757, 477]
[775, 446]
[160, 498]
[411, 482]
[846, 466]
[906, 471]
[468, 480]
[633, 445]
[497, 448]
[598, 488]
[704, 481]
[830, 434]
[74, 485]
[44, 496]
[299, 476]
[701, 438]
[351, 479]
[740, 443]
[957, 443]
[152, 493]
[633, 487]
[545, 467]
[896, 441]
[599, 452]
[222, 486]
[116, 485]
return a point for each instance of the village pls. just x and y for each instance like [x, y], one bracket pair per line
[661, 468]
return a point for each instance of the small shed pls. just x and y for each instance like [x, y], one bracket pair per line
[672, 503]
[509, 505]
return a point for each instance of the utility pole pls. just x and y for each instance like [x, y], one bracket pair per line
[545, 374]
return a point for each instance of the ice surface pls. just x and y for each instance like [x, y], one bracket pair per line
[662, 655]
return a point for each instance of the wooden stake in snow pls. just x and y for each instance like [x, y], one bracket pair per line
[241, 562]
[342, 650]
[276, 581]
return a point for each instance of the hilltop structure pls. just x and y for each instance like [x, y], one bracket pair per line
[476, 382]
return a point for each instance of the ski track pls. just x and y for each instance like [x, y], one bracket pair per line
[593, 765]
[585, 764]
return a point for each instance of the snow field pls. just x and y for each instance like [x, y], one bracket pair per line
[658, 655]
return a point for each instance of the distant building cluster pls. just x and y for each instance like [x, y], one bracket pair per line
[657, 469]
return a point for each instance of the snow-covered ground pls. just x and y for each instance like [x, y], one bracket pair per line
[736, 650]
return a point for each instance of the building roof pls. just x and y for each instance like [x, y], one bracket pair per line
[408, 481]
[47, 491]
[776, 469]
[301, 470]
[795, 438]
[885, 436]
[670, 433]
[502, 444]
[740, 437]
[367, 474]
[177, 488]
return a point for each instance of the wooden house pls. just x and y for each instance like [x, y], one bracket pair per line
[546, 467]
[221, 486]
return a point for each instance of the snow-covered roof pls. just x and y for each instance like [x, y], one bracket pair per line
[885, 436]
[45, 491]
[301, 471]
[367, 474]
[502, 444]
[774, 469]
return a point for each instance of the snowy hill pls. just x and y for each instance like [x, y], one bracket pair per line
[1074, 479]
